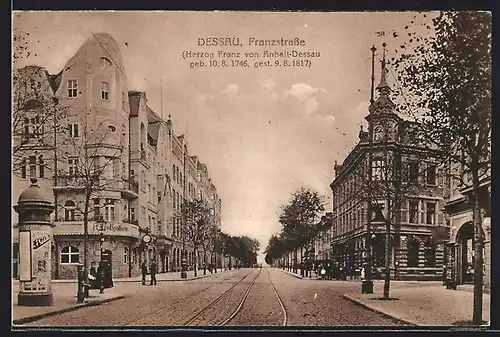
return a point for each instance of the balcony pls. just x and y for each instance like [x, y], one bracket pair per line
[73, 182]
[125, 229]
[130, 188]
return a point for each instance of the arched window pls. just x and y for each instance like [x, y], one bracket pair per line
[412, 252]
[69, 211]
[70, 255]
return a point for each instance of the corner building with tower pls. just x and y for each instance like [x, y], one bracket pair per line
[406, 187]
[142, 167]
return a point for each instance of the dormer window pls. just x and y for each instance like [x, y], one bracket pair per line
[105, 62]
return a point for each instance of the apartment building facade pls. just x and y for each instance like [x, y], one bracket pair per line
[127, 156]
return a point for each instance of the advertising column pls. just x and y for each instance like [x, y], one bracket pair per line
[35, 242]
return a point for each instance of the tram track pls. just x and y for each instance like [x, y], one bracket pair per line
[221, 297]
[242, 302]
[165, 309]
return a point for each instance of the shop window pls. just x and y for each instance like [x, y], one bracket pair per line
[70, 255]
[125, 255]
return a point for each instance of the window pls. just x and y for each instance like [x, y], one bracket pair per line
[125, 255]
[105, 62]
[73, 166]
[123, 101]
[70, 255]
[174, 200]
[378, 169]
[431, 213]
[132, 173]
[33, 127]
[97, 207]
[41, 168]
[105, 90]
[132, 213]
[73, 130]
[69, 211]
[159, 229]
[109, 211]
[23, 168]
[430, 254]
[413, 211]
[413, 172]
[431, 174]
[96, 166]
[412, 252]
[72, 88]
[134, 256]
[32, 161]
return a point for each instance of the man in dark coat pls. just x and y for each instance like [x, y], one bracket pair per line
[94, 280]
[153, 273]
[144, 271]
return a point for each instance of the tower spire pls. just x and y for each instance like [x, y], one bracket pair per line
[383, 88]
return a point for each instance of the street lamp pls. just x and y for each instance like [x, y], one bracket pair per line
[367, 283]
[101, 262]
[183, 255]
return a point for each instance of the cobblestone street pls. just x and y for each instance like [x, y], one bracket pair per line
[213, 300]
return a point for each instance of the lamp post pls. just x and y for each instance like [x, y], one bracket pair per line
[367, 283]
[101, 262]
[183, 255]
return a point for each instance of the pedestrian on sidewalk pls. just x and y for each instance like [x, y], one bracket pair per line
[144, 271]
[153, 273]
[93, 277]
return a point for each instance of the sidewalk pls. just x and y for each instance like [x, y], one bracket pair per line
[425, 305]
[64, 296]
[64, 300]
[170, 276]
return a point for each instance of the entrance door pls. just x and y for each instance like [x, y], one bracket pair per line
[107, 256]
[465, 261]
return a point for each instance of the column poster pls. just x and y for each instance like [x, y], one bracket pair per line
[25, 253]
[41, 245]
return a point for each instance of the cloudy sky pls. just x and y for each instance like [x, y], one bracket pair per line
[263, 132]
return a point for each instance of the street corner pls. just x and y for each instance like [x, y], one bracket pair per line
[365, 300]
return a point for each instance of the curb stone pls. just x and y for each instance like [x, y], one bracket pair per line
[358, 302]
[29, 319]
[129, 281]
[291, 274]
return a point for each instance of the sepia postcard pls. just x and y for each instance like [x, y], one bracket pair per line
[251, 169]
